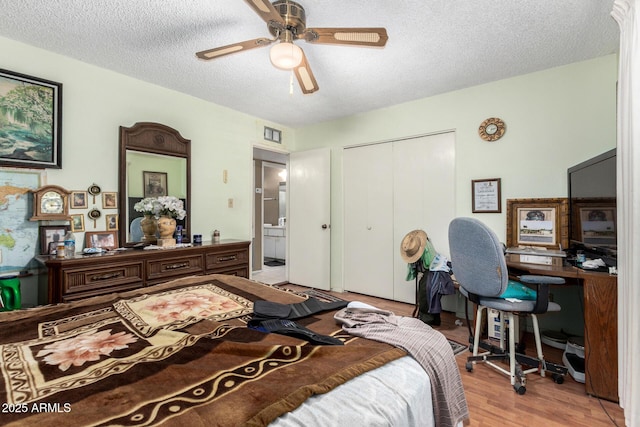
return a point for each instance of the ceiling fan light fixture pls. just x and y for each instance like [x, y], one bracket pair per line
[285, 55]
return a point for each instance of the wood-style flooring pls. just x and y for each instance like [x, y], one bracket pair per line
[491, 399]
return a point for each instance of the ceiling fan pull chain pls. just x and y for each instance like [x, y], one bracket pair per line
[291, 83]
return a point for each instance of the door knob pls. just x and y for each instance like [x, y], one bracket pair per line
[325, 226]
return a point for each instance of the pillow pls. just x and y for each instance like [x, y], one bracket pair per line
[519, 291]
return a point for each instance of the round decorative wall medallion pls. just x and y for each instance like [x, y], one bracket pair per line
[492, 129]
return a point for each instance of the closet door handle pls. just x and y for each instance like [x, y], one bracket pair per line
[325, 226]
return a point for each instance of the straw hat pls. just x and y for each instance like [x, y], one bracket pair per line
[412, 246]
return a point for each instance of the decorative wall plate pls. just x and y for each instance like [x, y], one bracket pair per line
[492, 129]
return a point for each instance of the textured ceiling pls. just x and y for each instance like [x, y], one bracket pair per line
[434, 46]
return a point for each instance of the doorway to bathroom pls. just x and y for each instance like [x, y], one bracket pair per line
[269, 248]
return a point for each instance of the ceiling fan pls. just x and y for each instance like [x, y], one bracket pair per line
[286, 21]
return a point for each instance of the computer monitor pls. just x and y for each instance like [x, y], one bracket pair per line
[592, 207]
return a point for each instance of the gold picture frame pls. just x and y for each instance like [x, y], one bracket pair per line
[538, 222]
[77, 223]
[111, 221]
[79, 200]
[109, 200]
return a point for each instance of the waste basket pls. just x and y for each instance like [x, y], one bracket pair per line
[10, 293]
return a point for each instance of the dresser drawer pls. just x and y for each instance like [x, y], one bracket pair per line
[166, 268]
[221, 260]
[107, 278]
[240, 271]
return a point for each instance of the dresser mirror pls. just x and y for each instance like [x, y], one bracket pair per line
[154, 160]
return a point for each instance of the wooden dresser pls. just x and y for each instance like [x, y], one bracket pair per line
[89, 275]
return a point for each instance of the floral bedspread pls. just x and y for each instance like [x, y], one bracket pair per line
[177, 353]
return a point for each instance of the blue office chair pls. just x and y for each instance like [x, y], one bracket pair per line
[135, 230]
[479, 266]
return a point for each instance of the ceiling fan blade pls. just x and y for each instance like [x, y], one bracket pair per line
[266, 11]
[232, 48]
[305, 77]
[347, 36]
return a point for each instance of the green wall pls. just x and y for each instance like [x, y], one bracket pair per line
[555, 118]
[96, 102]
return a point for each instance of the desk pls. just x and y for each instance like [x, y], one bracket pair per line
[600, 323]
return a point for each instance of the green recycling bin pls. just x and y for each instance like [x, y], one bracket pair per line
[10, 293]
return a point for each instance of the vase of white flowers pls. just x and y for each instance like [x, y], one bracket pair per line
[164, 210]
[170, 206]
[148, 224]
[149, 228]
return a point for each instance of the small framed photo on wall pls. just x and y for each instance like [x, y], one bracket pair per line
[77, 222]
[109, 200]
[112, 221]
[79, 200]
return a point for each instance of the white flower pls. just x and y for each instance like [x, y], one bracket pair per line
[158, 206]
[171, 206]
[148, 206]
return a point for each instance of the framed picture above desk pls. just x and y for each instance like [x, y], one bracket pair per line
[538, 222]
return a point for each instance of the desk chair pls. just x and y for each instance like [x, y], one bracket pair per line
[478, 263]
[135, 229]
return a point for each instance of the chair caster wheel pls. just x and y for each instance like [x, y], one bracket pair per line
[469, 367]
[558, 379]
[520, 389]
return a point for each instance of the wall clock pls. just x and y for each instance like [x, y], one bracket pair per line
[50, 202]
[492, 129]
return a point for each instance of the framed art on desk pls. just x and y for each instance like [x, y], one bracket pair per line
[538, 222]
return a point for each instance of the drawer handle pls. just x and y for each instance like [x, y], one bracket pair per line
[227, 258]
[106, 276]
[177, 266]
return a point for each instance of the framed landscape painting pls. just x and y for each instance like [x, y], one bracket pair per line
[30, 121]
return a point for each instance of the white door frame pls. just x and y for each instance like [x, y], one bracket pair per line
[271, 155]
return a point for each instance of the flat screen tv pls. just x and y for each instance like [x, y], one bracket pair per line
[592, 207]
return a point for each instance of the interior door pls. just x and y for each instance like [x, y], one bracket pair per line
[424, 193]
[368, 220]
[309, 218]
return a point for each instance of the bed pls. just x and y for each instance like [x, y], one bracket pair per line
[180, 353]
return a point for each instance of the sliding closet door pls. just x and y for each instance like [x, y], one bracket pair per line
[424, 198]
[389, 190]
[368, 207]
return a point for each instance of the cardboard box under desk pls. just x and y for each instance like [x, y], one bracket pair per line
[494, 325]
[535, 259]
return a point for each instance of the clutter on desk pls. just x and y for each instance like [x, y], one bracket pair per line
[593, 264]
[535, 255]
